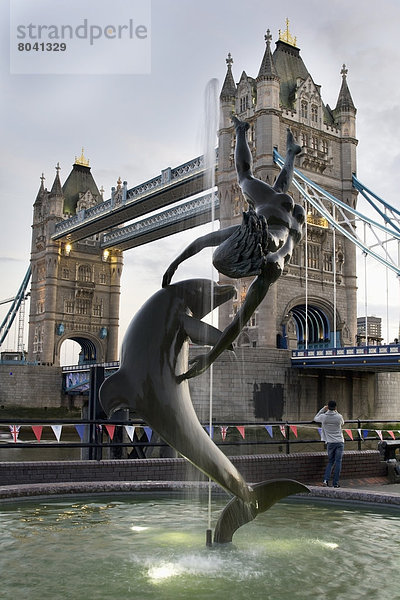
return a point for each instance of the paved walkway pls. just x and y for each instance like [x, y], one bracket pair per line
[371, 490]
[374, 490]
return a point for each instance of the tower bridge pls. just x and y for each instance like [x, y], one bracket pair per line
[308, 320]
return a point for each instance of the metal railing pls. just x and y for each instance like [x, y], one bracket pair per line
[285, 436]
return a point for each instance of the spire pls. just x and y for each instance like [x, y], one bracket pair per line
[56, 189]
[345, 101]
[229, 87]
[41, 191]
[267, 68]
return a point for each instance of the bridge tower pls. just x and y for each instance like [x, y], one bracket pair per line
[284, 94]
[75, 288]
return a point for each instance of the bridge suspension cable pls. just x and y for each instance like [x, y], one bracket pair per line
[17, 301]
[348, 216]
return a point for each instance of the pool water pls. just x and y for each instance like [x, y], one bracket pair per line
[154, 548]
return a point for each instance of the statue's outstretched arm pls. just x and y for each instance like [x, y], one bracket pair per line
[210, 239]
[271, 271]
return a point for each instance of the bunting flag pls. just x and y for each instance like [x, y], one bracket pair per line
[379, 432]
[99, 428]
[57, 429]
[130, 430]
[320, 432]
[37, 430]
[241, 430]
[110, 430]
[349, 433]
[81, 431]
[148, 432]
[392, 434]
[294, 429]
[283, 430]
[14, 430]
[224, 430]
[365, 433]
[209, 430]
[269, 429]
[359, 433]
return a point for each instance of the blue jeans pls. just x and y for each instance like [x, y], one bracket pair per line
[335, 455]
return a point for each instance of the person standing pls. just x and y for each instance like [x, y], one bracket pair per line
[332, 434]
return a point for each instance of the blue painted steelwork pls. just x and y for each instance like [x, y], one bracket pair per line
[384, 358]
[76, 378]
[160, 222]
[344, 208]
[360, 187]
[9, 318]
[168, 179]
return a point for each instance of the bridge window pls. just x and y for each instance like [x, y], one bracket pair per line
[328, 265]
[325, 146]
[314, 113]
[98, 309]
[68, 306]
[304, 109]
[85, 273]
[82, 306]
[253, 321]
[314, 143]
[65, 273]
[304, 140]
[313, 256]
[244, 103]
[102, 277]
[38, 340]
[295, 260]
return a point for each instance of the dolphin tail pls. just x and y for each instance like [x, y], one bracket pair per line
[237, 513]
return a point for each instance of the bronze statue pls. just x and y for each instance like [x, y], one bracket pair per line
[260, 246]
[149, 383]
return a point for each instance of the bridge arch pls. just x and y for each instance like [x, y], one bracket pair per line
[92, 349]
[316, 322]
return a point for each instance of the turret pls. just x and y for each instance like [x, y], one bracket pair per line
[267, 124]
[56, 196]
[267, 79]
[345, 111]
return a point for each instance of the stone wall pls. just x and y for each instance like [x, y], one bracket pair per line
[30, 386]
[260, 384]
[253, 384]
[306, 468]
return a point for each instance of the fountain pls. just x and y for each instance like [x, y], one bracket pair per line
[151, 547]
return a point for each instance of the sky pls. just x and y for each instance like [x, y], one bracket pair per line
[133, 125]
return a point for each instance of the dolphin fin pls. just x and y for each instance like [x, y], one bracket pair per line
[201, 332]
[237, 513]
[111, 393]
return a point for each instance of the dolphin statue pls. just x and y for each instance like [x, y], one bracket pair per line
[150, 383]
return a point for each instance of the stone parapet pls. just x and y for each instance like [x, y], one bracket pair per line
[306, 468]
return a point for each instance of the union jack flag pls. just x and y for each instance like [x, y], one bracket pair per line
[14, 429]
[224, 430]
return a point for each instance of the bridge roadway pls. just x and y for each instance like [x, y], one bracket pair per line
[170, 187]
[178, 218]
[358, 358]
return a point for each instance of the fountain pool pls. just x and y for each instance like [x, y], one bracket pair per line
[154, 548]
